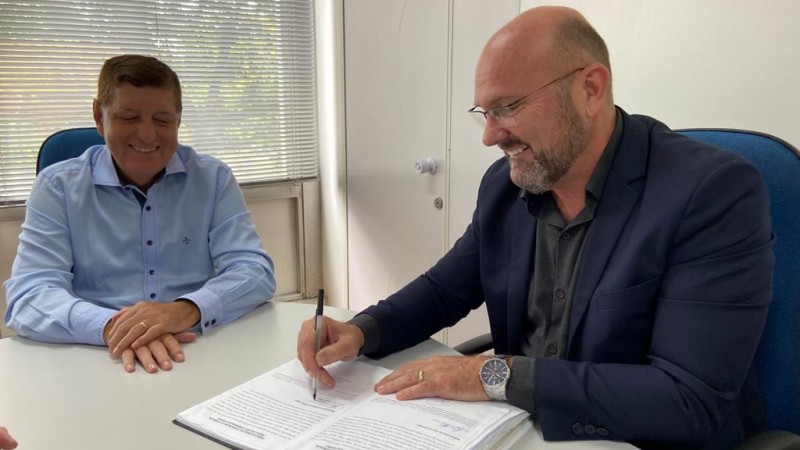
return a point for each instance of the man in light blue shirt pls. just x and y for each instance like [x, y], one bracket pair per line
[137, 243]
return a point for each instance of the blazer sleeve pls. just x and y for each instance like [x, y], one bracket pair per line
[449, 290]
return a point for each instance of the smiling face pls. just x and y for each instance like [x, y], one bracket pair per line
[541, 153]
[549, 73]
[140, 126]
[546, 133]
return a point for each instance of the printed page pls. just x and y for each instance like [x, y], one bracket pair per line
[386, 423]
[272, 409]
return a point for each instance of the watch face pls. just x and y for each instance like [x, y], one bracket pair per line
[494, 372]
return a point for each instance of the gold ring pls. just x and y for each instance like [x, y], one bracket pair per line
[420, 376]
[143, 324]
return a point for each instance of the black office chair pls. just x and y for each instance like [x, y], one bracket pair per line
[66, 144]
[777, 361]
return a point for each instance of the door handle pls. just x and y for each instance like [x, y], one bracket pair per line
[427, 165]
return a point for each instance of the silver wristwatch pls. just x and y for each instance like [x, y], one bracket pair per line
[494, 376]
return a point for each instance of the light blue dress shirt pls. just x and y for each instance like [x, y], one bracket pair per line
[90, 246]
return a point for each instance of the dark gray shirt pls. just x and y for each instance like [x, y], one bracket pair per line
[556, 262]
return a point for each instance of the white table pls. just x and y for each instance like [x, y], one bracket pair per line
[77, 397]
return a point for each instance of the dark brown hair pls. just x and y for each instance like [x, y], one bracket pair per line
[139, 71]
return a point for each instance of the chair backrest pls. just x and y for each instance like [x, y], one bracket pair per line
[777, 362]
[66, 144]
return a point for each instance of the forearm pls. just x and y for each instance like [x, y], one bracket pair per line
[372, 333]
[520, 390]
[245, 273]
[42, 303]
[629, 402]
[232, 294]
[54, 315]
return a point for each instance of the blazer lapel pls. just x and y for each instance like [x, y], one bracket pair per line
[519, 277]
[619, 198]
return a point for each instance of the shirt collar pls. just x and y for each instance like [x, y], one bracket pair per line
[598, 178]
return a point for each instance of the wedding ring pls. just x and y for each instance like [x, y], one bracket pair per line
[143, 324]
[420, 376]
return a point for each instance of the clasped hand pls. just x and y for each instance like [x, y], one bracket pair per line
[151, 333]
[449, 377]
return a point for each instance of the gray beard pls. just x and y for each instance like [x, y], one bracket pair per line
[550, 164]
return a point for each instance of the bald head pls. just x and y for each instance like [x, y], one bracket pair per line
[544, 85]
[548, 40]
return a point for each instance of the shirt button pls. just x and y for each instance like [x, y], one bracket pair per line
[153, 295]
[566, 236]
[149, 242]
[152, 272]
[560, 294]
[147, 208]
[552, 349]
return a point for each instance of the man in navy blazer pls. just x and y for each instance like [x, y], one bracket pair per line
[626, 268]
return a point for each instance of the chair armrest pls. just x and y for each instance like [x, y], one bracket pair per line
[771, 440]
[475, 345]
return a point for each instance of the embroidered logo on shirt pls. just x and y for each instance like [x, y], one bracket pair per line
[186, 240]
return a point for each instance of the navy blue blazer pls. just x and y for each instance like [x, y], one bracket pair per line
[669, 305]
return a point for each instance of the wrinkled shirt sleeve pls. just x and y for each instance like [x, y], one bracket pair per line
[41, 302]
[245, 272]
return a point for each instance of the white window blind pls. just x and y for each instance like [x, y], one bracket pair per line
[246, 69]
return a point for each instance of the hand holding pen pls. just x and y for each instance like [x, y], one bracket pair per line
[323, 341]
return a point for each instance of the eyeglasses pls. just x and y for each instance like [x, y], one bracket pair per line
[508, 111]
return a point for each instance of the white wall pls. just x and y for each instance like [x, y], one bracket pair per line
[709, 63]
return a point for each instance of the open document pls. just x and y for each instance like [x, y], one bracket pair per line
[275, 410]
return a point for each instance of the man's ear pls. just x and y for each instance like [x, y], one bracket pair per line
[596, 88]
[97, 112]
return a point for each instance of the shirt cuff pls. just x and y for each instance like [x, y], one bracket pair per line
[89, 321]
[209, 305]
[372, 333]
[519, 390]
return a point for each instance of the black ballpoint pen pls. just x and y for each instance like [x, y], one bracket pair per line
[317, 330]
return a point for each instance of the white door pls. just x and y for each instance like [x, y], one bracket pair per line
[396, 101]
[469, 158]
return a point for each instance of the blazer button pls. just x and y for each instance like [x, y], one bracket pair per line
[206, 324]
[213, 321]
[577, 429]
[590, 430]
[602, 431]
